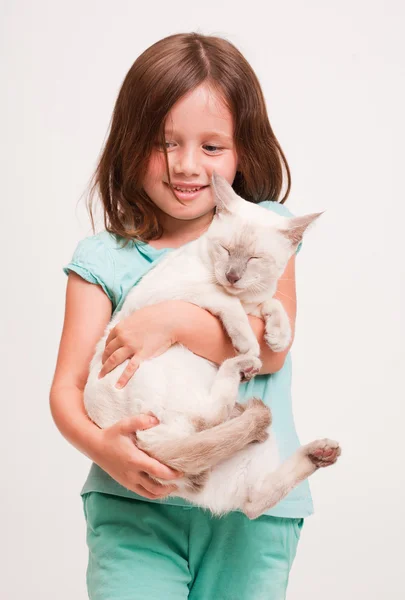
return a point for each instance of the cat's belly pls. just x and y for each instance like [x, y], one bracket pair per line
[173, 386]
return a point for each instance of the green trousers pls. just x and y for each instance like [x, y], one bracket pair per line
[149, 551]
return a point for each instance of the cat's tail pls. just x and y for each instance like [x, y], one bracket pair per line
[198, 452]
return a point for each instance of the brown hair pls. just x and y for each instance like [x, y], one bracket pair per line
[159, 77]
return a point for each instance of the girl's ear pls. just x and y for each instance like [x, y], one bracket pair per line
[296, 227]
[224, 195]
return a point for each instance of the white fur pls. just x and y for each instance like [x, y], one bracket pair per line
[179, 386]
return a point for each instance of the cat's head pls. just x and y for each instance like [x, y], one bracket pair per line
[248, 245]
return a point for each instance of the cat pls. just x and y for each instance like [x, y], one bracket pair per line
[231, 270]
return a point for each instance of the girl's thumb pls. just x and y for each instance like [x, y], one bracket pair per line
[138, 422]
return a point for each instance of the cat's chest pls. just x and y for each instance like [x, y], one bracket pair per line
[172, 279]
[251, 309]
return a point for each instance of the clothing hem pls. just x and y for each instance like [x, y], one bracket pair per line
[288, 510]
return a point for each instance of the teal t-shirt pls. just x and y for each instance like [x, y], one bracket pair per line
[100, 259]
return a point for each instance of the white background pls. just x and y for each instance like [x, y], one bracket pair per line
[333, 77]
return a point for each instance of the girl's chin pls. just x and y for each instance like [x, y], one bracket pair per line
[189, 210]
[186, 213]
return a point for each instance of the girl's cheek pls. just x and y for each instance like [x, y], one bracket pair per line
[225, 165]
[156, 166]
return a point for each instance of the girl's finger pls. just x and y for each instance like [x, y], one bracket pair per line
[110, 348]
[115, 359]
[139, 489]
[111, 336]
[157, 469]
[132, 424]
[156, 488]
[130, 369]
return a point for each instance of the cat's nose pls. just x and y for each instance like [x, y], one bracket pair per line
[232, 276]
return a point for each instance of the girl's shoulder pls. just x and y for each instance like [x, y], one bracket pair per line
[102, 259]
[276, 207]
[103, 250]
[281, 210]
[109, 241]
[93, 259]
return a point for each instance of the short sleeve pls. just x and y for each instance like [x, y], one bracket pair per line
[93, 261]
[281, 210]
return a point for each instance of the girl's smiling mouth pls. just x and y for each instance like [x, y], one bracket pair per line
[183, 194]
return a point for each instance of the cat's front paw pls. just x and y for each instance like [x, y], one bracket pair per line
[277, 336]
[248, 366]
[277, 325]
[277, 343]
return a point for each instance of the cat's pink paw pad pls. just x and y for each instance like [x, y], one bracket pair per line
[245, 366]
[324, 452]
[248, 373]
[320, 453]
[249, 367]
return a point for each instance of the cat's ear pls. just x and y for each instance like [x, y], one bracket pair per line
[224, 195]
[296, 227]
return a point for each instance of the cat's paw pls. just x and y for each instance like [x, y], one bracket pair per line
[277, 338]
[323, 453]
[277, 326]
[248, 366]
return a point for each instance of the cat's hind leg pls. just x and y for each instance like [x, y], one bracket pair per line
[202, 450]
[276, 485]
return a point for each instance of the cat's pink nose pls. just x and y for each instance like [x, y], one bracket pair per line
[232, 276]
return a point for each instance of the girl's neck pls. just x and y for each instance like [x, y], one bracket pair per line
[176, 233]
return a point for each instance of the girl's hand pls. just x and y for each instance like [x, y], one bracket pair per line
[123, 461]
[147, 333]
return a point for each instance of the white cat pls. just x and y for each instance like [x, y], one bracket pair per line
[231, 270]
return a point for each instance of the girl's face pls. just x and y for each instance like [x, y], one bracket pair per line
[199, 139]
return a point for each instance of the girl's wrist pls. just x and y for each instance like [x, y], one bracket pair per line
[73, 422]
[94, 444]
[88, 438]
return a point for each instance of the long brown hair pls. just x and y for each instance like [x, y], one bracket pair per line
[159, 77]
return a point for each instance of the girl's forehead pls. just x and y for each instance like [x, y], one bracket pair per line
[201, 110]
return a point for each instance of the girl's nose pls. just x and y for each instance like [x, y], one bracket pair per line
[186, 163]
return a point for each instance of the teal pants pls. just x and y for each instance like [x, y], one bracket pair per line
[151, 551]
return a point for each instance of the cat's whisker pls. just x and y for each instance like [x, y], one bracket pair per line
[256, 288]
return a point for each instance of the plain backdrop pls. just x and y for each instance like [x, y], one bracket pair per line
[333, 77]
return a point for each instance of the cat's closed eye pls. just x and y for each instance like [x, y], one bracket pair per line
[225, 248]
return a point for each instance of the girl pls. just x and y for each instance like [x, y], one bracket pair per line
[188, 105]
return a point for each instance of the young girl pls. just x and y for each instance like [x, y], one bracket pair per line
[190, 104]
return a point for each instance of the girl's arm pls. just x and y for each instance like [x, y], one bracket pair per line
[149, 331]
[203, 334]
[88, 310]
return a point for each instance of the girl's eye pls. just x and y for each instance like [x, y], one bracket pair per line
[160, 146]
[212, 148]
